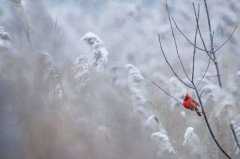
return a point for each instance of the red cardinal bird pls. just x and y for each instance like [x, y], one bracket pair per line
[190, 103]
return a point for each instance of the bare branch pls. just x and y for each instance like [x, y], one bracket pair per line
[212, 51]
[188, 39]
[209, 25]
[218, 71]
[208, 124]
[228, 39]
[205, 72]
[201, 36]
[195, 43]
[203, 42]
[211, 42]
[175, 43]
[235, 136]
[185, 36]
[170, 66]
[165, 92]
[211, 55]
[200, 33]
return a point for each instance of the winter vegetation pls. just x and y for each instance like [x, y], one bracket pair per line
[87, 79]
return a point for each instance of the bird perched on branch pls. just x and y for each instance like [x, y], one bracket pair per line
[190, 103]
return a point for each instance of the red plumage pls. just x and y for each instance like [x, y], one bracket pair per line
[190, 103]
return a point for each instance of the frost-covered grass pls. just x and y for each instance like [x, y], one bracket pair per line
[75, 82]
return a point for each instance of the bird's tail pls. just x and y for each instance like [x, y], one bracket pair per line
[198, 112]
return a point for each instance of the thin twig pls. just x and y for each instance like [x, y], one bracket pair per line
[205, 72]
[189, 41]
[212, 57]
[198, 47]
[203, 42]
[200, 34]
[162, 89]
[175, 43]
[235, 136]
[211, 44]
[208, 124]
[209, 24]
[195, 44]
[218, 72]
[227, 40]
[165, 92]
[170, 66]
[185, 36]
[196, 89]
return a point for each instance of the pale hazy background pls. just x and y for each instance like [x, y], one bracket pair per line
[53, 105]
